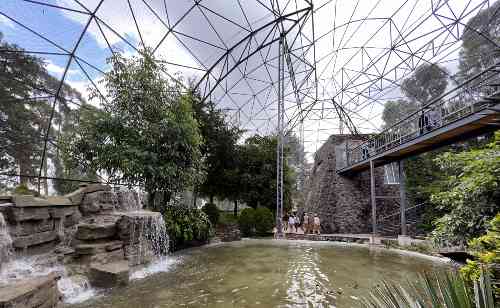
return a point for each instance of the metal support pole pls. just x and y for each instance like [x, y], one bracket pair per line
[373, 198]
[402, 195]
[280, 141]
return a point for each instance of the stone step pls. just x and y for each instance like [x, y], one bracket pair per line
[34, 292]
[109, 275]
[94, 229]
[95, 248]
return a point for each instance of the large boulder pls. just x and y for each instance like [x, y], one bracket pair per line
[99, 247]
[15, 213]
[98, 202]
[109, 275]
[77, 196]
[34, 292]
[27, 227]
[97, 228]
[22, 242]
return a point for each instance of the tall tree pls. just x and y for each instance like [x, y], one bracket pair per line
[427, 82]
[258, 173]
[27, 91]
[470, 192]
[480, 42]
[146, 134]
[219, 151]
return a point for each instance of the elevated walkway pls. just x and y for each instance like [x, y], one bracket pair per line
[468, 110]
[475, 123]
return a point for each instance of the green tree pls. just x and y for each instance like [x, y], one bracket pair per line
[219, 151]
[147, 134]
[470, 193]
[24, 120]
[258, 173]
[264, 220]
[480, 42]
[427, 82]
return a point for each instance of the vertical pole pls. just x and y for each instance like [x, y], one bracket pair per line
[402, 196]
[279, 145]
[373, 199]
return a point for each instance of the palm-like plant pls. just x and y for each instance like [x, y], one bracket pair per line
[447, 290]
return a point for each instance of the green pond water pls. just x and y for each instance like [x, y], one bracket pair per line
[267, 273]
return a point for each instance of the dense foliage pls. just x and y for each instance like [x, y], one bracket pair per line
[436, 290]
[470, 194]
[219, 151]
[146, 133]
[186, 226]
[212, 213]
[258, 173]
[24, 120]
[258, 221]
[264, 220]
[246, 222]
[486, 249]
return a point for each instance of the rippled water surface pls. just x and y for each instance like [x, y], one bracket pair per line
[266, 274]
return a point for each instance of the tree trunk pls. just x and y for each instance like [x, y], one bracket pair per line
[166, 197]
[151, 200]
[195, 197]
[45, 181]
[211, 199]
[235, 210]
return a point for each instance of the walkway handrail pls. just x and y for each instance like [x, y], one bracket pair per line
[399, 212]
[399, 134]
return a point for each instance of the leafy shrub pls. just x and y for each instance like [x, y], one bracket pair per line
[186, 225]
[487, 250]
[247, 222]
[212, 212]
[437, 290]
[22, 189]
[264, 220]
[227, 219]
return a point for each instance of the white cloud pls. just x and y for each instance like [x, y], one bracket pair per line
[6, 22]
[57, 70]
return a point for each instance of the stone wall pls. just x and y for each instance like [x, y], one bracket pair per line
[37, 224]
[343, 203]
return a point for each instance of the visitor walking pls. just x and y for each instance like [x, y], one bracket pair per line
[297, 223]
[291, 224]
[317, 225]
[285, 222]
[305, 223]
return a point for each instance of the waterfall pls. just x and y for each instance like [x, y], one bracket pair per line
[5, 242]
[75, 289]
[149, 232]
[129, 201]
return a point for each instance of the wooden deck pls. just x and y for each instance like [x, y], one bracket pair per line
[475, 124]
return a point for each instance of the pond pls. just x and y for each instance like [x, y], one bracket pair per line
[267, 273]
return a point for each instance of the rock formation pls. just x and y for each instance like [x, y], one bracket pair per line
[341, 202]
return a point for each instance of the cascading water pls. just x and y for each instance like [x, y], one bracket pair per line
[5, 242]
[75, 289]
[129, 201]
[150, 232]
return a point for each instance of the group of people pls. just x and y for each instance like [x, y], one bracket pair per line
[310, 223]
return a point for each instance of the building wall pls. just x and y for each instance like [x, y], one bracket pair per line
[343, 203]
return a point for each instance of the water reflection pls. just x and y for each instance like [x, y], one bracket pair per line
[254, 274]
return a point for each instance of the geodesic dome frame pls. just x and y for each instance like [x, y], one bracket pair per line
[312, 68]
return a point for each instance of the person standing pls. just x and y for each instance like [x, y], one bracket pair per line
[297, 223]
[285, 223]
[305, 223]
[317, 225]
[291, 224]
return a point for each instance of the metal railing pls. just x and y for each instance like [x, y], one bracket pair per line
[392, 221]
[457, 103]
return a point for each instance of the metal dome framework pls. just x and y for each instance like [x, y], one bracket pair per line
[312, 68]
